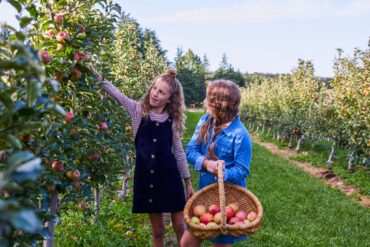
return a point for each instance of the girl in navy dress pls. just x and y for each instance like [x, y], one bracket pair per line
[220, 136]
[157, 123]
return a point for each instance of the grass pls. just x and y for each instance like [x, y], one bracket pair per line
[299, 211]
[317, 154]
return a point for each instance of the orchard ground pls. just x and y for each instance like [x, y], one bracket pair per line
[300, 210]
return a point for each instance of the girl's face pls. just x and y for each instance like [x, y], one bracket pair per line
[159, 96]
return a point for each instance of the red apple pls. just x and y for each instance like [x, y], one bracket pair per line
[214, 208]
[206, 218]
[51, 188]
[94, 156]
[63, 36]
[51, 32]
[199, 210]
[77, 174]
[234, 206]
[240, 223]
[80, 28]
[59, 19]
[252, 216]
[76, 185]
[76, 56]
[83, 205]
[195, 220]
[229, 212]
[69, 116]
[74, 176]
[26, 138]
[45, 57]
[241, 215]
[103, 126]
[76, 74]
[57, 166]
[84, 56]
[59, 76]
[217, 218]
[74, 132]
[233, 220]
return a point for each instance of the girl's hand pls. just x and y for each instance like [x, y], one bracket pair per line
[211, 166]
[189, 191]
[96, 75]
[91, 68]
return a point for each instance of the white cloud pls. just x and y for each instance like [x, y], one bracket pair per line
[265, 10]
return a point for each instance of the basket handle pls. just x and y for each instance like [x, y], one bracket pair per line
[221, 193]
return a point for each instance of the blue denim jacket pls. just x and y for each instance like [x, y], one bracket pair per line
[233, 145]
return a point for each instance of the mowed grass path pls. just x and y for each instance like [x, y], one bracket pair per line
[299, 210]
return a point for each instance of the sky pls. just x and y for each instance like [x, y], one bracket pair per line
[267, 36]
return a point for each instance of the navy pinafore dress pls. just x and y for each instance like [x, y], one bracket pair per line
[158, 186]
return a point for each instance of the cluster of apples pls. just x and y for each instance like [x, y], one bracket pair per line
[234, 215]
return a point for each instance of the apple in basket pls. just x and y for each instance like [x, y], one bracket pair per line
[233, 220]
[206, 218]
[217, 218]
[229, 212]
[234, 206]
[241, 215]
[212, 224]
[252, 216]
[195, 220]
[240, 223]
[214, 208]
[199, 210]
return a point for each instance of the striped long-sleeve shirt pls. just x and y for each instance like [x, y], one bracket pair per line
[133, 108]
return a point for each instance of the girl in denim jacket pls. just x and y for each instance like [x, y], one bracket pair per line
[220, 136]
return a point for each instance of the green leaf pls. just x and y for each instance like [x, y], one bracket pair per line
[28, 171]
[5, 97]
[59, 109]
[34, 90]
[26, 220]
[13, 141]
[54, 85]
[30, 166]
[16, 5]
[25, 21]
[20, 157]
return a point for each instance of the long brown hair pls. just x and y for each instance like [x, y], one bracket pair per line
[176, 107]
[222, 102]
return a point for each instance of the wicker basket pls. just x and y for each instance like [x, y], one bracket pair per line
[223, 194]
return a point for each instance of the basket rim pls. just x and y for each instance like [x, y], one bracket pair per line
[253, 224]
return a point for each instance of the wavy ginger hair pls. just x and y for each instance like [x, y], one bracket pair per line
[176, 107]
[222, 102]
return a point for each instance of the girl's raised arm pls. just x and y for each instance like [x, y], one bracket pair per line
[131, 106]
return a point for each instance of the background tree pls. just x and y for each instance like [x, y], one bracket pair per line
[191, 72]
[227, 71]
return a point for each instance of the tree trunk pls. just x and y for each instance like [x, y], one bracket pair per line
[96, 200]
[290, 141]
[123, 194]
[299, 143]
[330, 160]
[351, 165]
[54, 200]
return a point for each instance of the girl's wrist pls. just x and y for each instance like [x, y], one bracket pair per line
[98, 77]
